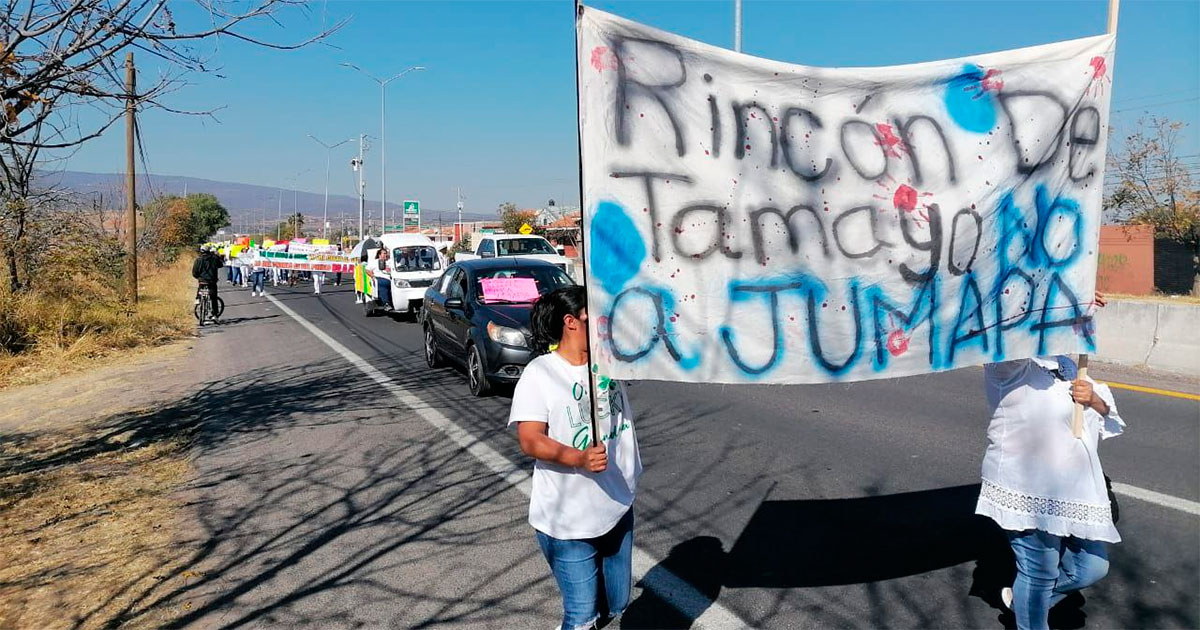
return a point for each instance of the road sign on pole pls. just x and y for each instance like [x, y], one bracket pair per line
[412, 215]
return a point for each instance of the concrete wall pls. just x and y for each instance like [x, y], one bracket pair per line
[1151, 334]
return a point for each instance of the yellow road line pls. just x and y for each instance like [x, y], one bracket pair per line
[1152, 390]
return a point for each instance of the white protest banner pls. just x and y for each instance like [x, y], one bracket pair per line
[329, 262]
[747, 220]
[310, 248]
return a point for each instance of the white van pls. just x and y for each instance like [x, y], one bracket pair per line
[529, 246]
[413, 264]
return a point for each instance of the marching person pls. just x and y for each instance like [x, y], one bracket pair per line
[1043, 485]
[581, 505]
[260, 277]
[318, 278]
[246, 266]
[224, 253]
[337, 277]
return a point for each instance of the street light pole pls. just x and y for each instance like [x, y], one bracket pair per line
[279, 218]
[328, 150]
[737, 25]
[382, 137]
[279, 227]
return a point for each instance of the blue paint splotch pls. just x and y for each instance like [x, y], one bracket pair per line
[970, 100]
[615, 247]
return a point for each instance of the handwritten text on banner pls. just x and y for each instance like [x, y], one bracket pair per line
[755, 221]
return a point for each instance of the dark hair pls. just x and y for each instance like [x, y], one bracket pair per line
[546, 320]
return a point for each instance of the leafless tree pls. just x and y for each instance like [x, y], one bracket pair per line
[1154, 186]
[62, 78]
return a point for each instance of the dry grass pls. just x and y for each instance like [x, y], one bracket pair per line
[66, 333]
[88, 543]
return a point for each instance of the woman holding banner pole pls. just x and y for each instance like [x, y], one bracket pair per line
[581, 504]
[1043, 485]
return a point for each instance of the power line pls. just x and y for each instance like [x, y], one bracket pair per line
[1150, 96]
[1149, 105]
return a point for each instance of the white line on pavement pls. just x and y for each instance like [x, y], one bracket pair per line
[1157, 498]
[668, 586]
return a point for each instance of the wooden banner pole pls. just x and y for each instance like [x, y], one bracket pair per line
[1114, 8]
[593, 380]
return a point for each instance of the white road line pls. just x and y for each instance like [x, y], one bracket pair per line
[668, 586]
[1157, 498]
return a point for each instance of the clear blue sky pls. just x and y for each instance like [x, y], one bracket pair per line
[495, 111]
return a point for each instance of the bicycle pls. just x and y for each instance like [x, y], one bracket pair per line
[204, 309]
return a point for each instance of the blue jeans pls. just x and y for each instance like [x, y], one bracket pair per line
[260, 277]
[237, 274]
[383, 292]
[1048, 568]
[589, 568]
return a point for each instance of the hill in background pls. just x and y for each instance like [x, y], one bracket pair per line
[246, 202]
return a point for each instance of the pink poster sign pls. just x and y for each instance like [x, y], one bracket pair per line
[509, 289]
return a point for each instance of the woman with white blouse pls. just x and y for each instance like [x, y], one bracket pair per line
[1043, 485]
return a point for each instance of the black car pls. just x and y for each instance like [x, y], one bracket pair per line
[488, 336]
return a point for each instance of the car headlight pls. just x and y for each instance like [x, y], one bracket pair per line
[505, 335]
[400, 284]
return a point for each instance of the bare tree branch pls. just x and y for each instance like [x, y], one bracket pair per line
[62, 84]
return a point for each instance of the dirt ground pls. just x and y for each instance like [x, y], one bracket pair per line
[89, 495]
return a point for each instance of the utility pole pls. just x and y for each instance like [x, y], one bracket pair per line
[131, 279]
[357, 164]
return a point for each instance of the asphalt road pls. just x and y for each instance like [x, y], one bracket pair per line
[847, 505]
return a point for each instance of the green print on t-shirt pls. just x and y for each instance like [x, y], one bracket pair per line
[580, 439]
[615, 432]
[576, 412]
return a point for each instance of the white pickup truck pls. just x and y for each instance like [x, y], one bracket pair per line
[518, 246]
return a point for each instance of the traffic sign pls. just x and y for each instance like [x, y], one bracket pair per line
[525, 229]
[412, 206]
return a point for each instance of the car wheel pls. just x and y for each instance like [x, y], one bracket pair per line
[432, 357]
[476, 378]
[368, 305]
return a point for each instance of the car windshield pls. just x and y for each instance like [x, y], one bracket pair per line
[415, 258]
[522, 246]
[545, 279]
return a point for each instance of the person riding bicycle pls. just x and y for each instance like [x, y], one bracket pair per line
[206, 270]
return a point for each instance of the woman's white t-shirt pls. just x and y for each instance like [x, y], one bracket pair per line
[572, 503]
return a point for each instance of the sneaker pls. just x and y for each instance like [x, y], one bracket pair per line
[1006, 597]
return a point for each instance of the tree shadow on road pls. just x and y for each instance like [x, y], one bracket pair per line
[874, 541]
[273, 535]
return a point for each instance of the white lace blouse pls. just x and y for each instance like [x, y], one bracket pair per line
[1036, 474]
